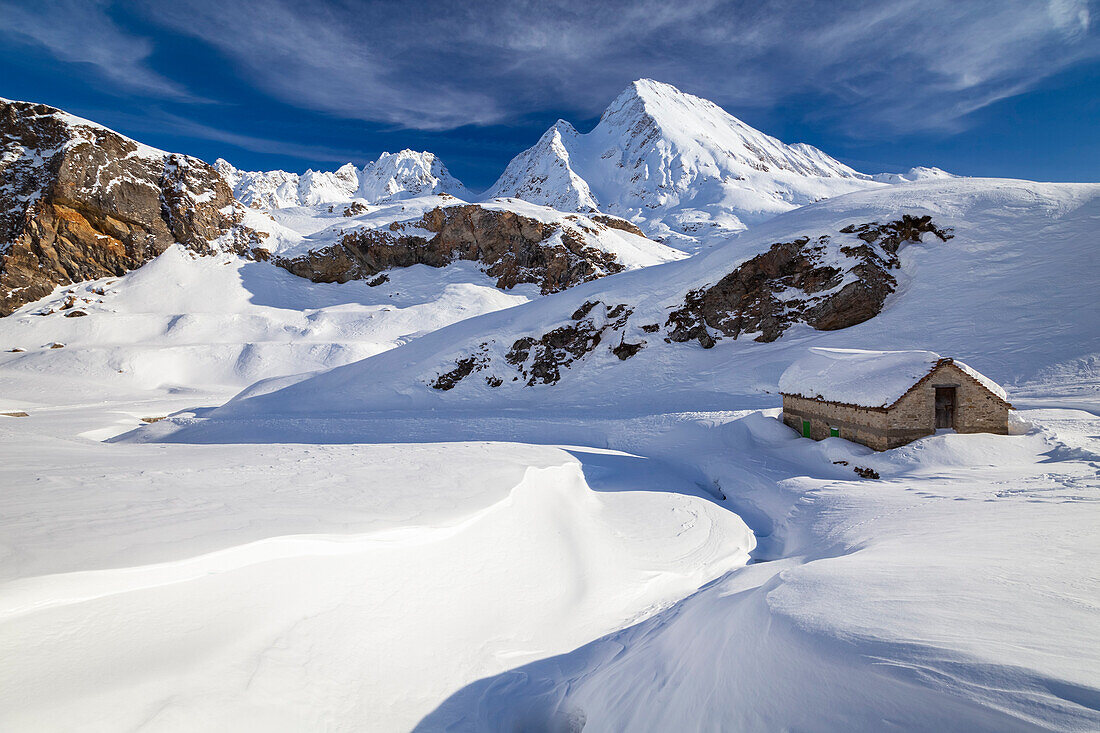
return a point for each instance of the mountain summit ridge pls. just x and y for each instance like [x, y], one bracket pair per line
[678, 165]
[392, 176]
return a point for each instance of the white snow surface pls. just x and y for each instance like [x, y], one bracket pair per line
[1010, 294]
[284, 588]
[296, 230]
[919, 173]
[865, 378]
[185, 322]
[393, 176]
[642, 546]
[679, 166]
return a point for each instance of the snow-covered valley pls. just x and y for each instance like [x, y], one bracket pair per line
[543, 485]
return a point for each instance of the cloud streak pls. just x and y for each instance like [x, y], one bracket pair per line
[888, 66]
[84, 33]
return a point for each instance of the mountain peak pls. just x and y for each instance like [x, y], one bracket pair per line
[393, 175]
[648, 89]
[679, 165]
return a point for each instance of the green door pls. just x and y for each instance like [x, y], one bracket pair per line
[805, 428]
[834, 432]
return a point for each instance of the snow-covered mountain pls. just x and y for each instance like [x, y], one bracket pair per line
[393, 176]
[919, 173]
[677, 165]
[967, 282]
[532, 512]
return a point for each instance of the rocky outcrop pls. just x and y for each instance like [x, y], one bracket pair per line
[540, 359]
[80, 202]
[616, 223]
[828, 283]
[512, 248]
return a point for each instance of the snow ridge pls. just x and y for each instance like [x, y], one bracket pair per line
[392, 177]
[679, 166]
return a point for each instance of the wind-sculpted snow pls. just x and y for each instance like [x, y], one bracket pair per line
[914, 602]
[311, 587]
[681, 167]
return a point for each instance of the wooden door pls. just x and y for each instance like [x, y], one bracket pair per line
[945, 407]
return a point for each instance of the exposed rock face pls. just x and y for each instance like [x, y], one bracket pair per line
[79, 202]
[539, 360]
[513, 248]
[616, 223]
[828, 283]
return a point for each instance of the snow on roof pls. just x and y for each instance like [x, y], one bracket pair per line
[866, 378]
[983, 380]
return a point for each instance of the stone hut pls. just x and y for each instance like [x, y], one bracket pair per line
[884, 399]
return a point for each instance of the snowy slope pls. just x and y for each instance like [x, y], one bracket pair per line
[679, 166]
[220, 323]
[1010, 295]
[393, 176]
[915, 601]
[295, 230]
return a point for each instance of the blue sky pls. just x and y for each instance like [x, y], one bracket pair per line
[1004, 88]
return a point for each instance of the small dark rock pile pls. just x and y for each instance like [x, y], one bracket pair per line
[540, 360]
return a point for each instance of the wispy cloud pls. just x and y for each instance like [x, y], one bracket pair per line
[876, 65]
[156, 120]
[83, 32]
[188, 128]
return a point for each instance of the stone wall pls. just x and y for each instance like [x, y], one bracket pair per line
[859, 424]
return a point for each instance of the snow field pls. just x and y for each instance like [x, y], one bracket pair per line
[235, 606]
[1008, 294]
[959, 592]
[218, 323]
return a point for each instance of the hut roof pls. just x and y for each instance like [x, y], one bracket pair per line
[867, 378]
